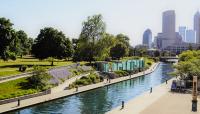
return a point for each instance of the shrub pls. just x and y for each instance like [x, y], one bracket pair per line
[12, 56]
[121, 73]
[23, 68]
[86, 80]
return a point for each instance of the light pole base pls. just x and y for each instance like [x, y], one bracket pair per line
[194, 105]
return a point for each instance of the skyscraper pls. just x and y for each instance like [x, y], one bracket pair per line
[197, 26]
[168, 36]
[190, 36]
[147, 38]
[168, 24]
[182, 32]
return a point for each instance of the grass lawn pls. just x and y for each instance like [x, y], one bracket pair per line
[12, 67]
[13, 89]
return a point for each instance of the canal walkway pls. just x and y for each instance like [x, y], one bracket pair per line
[63, 93]
[160, 101]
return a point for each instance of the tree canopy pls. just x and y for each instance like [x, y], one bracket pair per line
[92, 31]
[118, 51]
[52, 43]
[7, 35]
[189, 65]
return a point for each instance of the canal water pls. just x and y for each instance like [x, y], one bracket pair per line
[103, 99]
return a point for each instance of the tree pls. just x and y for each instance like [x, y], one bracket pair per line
[52, 43]
[190, 47]
[189, 65]
[121, 38]
[25, 42]
[131, 51]
[7, 35]
[103, 47]
[51, 60]
[118, 51]
[93, 30]
[40, 79]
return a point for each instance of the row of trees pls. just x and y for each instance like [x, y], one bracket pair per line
[94, 43]
[12, 42]
[189, 65]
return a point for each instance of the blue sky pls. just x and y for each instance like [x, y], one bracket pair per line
[131, 17]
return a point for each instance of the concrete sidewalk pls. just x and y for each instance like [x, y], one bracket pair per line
[160, 101]
[63, 93]
[136, 105]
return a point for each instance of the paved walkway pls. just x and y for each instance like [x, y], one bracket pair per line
[64, 93]
[14, 77]
[172, 103]
[160, 101]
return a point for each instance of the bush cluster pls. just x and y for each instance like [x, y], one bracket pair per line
[86, 80]
[121, 73]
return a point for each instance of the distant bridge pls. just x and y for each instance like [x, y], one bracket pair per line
[173, 59]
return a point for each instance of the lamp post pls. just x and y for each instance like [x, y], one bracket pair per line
[194, 94]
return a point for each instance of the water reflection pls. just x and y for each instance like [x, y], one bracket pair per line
[103, 99]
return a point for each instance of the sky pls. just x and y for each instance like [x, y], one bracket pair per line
[130, 17]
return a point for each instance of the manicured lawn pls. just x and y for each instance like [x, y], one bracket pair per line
[12, 67]
[13, 89]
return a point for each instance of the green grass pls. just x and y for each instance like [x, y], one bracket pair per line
[13, 89]
[10, 67]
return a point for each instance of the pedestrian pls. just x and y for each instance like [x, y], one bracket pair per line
[151, 90]
[76, 88]
[18, 102]
[166, 81]
[122, 105]
[109, 80]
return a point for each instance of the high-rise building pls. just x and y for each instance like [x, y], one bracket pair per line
[168, 24]
[147, 38]
[168, 36]
[197, 26]
[190, 36]
[182, 32]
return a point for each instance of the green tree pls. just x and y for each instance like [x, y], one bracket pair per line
[25, 42]
[40, 79]
[190, 47]
[7, 35]
[118, 51]
[103, 47]
[122, 38]
[52, 43]
[131, 51]
[93, 30]
[189, 65]
[51, 60]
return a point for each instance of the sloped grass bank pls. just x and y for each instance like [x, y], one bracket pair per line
[14, 88]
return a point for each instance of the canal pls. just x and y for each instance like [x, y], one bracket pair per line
[103, 99]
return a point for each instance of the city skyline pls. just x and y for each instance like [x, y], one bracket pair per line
[121, 17]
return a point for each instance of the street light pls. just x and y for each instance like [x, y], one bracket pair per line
[194, 94]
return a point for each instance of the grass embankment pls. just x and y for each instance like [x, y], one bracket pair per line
[86, 80]
[12, 67]
[14, 88]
